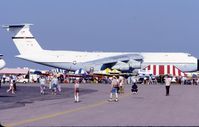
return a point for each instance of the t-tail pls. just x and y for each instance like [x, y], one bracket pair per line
[23, 39]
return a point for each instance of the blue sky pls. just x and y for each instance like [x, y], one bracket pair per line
[103, 25]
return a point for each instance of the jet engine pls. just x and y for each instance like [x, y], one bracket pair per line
[131, 64]
[134, 64]
[121, 66]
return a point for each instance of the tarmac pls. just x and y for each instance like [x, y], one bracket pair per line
[150, 107]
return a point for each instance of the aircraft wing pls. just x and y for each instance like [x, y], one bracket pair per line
[115, 59]
[16, 25]
[120, 62]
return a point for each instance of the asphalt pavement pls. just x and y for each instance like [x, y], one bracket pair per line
[150, 107]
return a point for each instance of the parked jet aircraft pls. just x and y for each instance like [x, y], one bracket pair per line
[30, 50]
[2, 62]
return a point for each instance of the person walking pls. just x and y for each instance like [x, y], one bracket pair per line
[54, 85]
[42, 82]
[76, 90]
[11, 88]
[150, 80]
[14, 78]
[49, 81]
[114, 85]
[4, 79]
[167, 84]
[121, 84]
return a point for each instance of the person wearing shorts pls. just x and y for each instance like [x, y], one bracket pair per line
[114, 91]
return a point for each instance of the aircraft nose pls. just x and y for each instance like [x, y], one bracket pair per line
[2, 64]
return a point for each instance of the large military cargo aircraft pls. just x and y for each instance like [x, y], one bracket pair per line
[160, 62]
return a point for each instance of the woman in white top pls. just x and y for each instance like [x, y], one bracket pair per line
[167, 80]
[11, 88]
[76, 90]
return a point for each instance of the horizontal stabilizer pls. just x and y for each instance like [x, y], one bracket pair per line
[17, 25]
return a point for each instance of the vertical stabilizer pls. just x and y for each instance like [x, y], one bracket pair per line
[23, 39]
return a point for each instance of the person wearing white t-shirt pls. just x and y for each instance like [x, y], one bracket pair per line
[76, 89]
[42, 82]
[167, 84]
[11, 88]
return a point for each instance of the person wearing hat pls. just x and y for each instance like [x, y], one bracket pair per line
[167, 80]
[76, 90]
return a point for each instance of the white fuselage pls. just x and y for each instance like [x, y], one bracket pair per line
[73, 60]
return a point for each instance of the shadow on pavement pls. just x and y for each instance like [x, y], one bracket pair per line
[30, 94]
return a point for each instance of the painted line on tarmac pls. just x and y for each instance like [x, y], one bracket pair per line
[48, 116]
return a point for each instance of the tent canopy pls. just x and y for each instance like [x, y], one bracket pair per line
[14, 71]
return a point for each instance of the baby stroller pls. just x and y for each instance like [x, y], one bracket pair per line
[134, 88]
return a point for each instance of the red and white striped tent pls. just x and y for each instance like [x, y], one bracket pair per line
[164, 69]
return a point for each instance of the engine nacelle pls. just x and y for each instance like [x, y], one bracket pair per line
[134, 64]
[121, 66]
